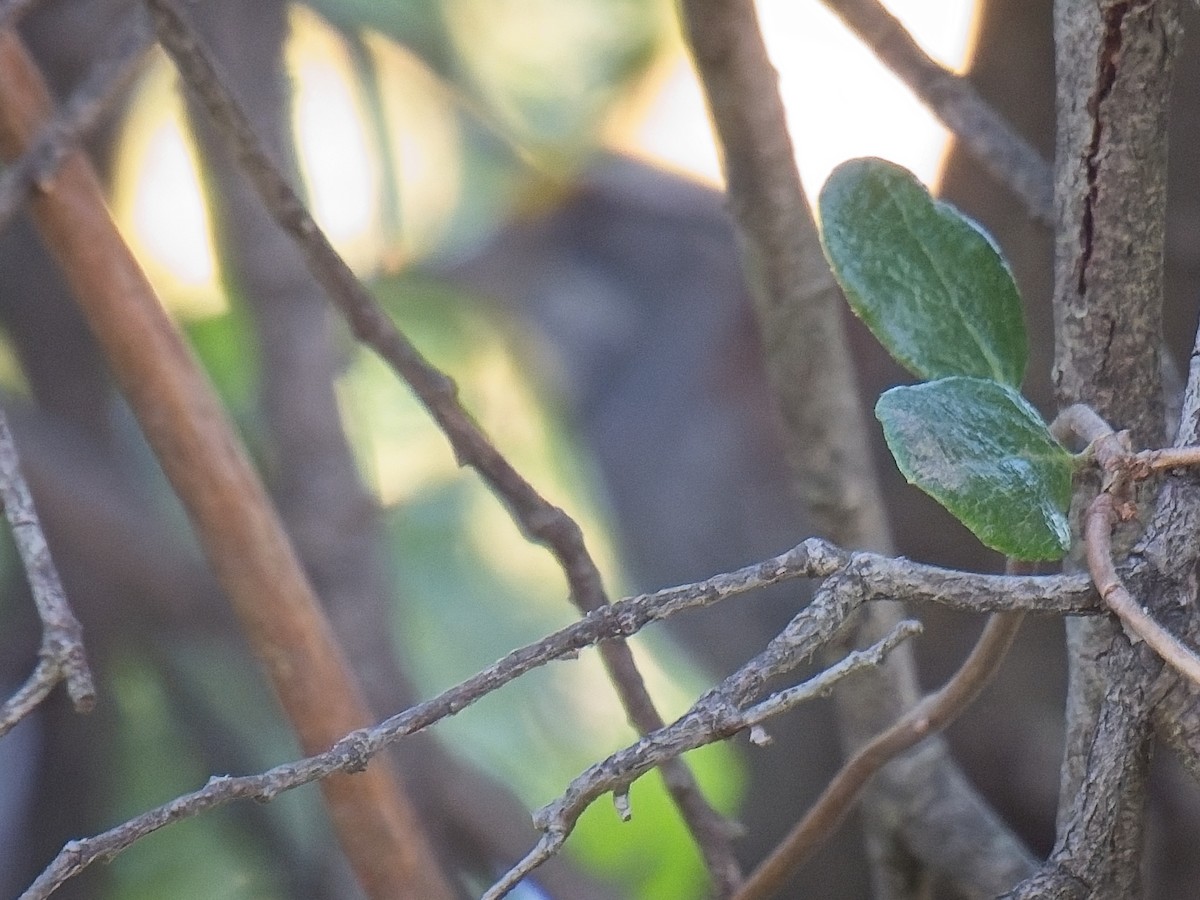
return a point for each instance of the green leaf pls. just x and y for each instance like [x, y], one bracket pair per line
[926, 280]
[978, 448]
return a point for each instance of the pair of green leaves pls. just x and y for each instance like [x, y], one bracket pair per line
[935, 291]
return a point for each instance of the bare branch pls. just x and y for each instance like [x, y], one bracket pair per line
[1098, 532]
[1177, 717]
[983, 132]
[854, 579]
[797, 302]
[62, 653]
[931, 715]
[538, 519]
[1169, 458]
[714, 717]
[106, 82]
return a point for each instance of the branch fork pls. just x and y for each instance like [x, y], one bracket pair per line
[1121, 469]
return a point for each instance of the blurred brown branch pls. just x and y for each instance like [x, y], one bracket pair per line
[208, 468]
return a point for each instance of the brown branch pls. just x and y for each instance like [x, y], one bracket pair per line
[856, 579]
[1101, 517]
[715, 717]
[797, 302]
[539, 520]
[982, 131]
[105, 83]
[198, 450]
[927, 718]
[61, 656]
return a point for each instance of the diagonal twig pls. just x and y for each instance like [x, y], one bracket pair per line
[538, 519]
[11, 11]
[713, 718]
[927, 718]
[61, 657]
[105, 83]
[983, 131]
[1101, 516]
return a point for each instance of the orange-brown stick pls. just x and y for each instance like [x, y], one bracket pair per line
[229, 508]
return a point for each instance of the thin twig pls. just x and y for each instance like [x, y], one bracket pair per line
[927, 718]
[62, 654]
[983, 131]
[713, 718]
[1101, 517]
[539, 520]
[354, 751]
[105, 83]
[856, 579]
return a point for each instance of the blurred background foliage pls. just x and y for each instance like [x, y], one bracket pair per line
[420, 127]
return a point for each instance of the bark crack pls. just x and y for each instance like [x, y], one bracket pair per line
[1110, 59]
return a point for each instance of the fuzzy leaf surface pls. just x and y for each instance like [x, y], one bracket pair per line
[926, 280]
[978, 448]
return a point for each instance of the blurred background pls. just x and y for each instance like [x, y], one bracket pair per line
[532, 191]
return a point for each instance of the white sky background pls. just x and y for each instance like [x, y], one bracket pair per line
[841, 102]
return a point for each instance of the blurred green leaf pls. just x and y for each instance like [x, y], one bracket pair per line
[209, 856]
[978, 448]
[925, 279]
[228, 350]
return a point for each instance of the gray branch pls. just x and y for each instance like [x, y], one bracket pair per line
[853, 579]
[1114, 62]
[61, 656]
[716, 716]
